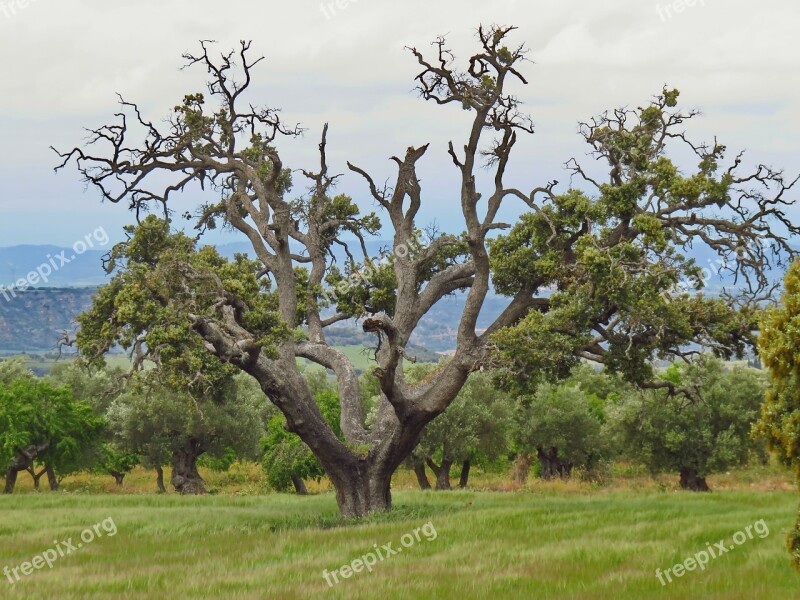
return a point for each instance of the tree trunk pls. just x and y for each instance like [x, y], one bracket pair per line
[118, 476]
[442, 473]
[185, 476]
[692, 481]
[360, 469]
[299, 486]
[522, 467]
[464, 479]
[160, 480]
[362, 488]
[552, 465]
[21, 462]
[545, 463]
[32, 472]
[443, 476]
[35, 476]
[54, 482]
[422, 477]
[11, 480]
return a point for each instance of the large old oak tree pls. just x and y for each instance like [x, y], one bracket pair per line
[588, 271]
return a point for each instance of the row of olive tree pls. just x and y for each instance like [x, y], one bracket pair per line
[42, 425]
[592, 418]
[82, 418]
[102, 420]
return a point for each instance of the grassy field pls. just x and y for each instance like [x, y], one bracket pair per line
[561, 540]
[361, 357]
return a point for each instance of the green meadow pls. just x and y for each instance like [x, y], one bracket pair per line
[565, 541]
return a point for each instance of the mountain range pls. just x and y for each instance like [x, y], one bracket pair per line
[31, 320]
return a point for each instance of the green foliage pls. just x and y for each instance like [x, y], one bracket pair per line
[474, 427]
[565, 418]
[706, 434]
[98, 387]
[609, 263]
[162, 285]
[793, 542]
[36, 414]
[95, 386]
[155, 421]
[285, 455]
[112, 460]
[12, 370]
[370, 287]
[779, 349]
[220, 463]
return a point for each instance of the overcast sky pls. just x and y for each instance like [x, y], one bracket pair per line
[64, 60]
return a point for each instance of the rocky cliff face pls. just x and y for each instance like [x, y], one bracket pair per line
[31, 320]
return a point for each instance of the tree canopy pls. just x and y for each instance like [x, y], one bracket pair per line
[40, 422]
[779, 349]
[696, 436]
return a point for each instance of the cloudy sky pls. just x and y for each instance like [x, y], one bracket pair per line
[64, 61]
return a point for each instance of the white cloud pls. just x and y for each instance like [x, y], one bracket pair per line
[64, 62]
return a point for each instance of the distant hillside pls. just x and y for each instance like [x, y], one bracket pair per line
[86, 270]
[31, 320]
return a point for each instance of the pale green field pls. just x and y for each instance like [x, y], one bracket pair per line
[361, 357]
[569, 542]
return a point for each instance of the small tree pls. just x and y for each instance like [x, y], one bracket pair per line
[698, 435]
[779, 350]
[287, 460]
[475, 426]
[98, 388]
[117, 463]
[562, 425]
[39, 422]
[161, 424]
[12, 370]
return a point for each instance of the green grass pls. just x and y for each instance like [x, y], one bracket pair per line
[41, 364]
[539, 543]
[361, 357]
